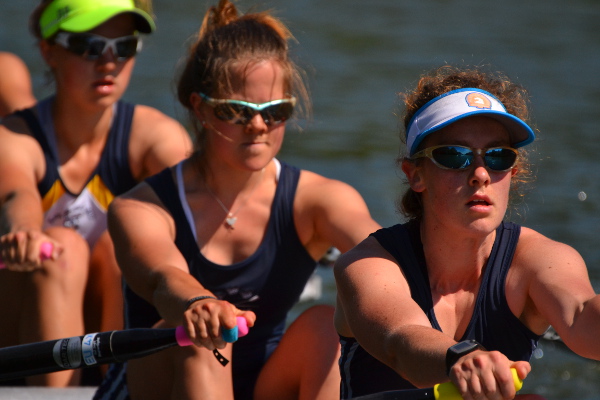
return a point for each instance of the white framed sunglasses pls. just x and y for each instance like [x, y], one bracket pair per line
[92, 47]
[499, 159]
[241, 112]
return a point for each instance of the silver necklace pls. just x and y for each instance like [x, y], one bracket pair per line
[231, 218]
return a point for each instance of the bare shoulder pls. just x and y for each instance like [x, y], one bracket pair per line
[367, 262]
[540, 262]
[17, 147]
[141, 203]
[366, 268]
[15, 84]
[157, 141]
[9, 61]
[535, 248]
[368, 248]
[139, 194]
[316, 188]
[150, 121]
[329, 212]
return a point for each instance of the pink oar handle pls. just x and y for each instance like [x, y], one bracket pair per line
[242, 330]
[45, 253]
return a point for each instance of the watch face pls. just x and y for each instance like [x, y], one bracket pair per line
[458, 350]
[461, 347]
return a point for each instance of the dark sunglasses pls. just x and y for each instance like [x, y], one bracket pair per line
[498, 159]
[241, 112]
[91, 46]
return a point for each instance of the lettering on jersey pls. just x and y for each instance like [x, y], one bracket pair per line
[72, 217]
[238, 296]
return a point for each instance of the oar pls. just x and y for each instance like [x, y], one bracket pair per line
[97, 348]
[441, 391]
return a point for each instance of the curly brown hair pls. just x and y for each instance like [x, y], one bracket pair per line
[227, 40]
[444, 79]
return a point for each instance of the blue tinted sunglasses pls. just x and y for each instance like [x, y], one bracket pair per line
[241, 112]
[92, 47]
[498, 159]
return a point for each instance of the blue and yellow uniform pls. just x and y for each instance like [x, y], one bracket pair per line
[84, 211]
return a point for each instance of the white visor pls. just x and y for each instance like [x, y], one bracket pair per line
[458, 104]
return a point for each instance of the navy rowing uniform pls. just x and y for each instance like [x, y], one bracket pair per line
[269, 282]
[492, 324]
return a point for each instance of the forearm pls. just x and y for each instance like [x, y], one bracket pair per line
[582, 337]
[172, 292]
[418, 354]
[20, 211]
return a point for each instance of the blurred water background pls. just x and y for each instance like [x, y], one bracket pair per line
[358, 54]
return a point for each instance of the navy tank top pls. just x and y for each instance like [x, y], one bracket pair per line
[492, 324]
[269, 282]
[84, 211]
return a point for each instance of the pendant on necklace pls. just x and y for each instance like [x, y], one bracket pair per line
[230, 221]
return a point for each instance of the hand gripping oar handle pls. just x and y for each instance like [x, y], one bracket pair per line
[229, 335]
[441, 391]
[45, 253]
[447, 390]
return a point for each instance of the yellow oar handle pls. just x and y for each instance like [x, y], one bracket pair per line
[447, 390]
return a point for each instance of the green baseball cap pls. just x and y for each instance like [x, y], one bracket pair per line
[84, 15]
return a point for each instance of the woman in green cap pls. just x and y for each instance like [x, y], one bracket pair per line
[62, 162]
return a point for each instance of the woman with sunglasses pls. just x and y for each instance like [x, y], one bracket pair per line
[61, 163]
[457, 293]
[233, 232]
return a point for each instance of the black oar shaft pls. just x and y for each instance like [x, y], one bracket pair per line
[82, 351]
[410, 394]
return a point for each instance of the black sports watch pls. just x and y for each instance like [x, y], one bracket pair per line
[458, 350]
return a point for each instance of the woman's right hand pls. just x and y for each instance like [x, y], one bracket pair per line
[487, 374]
[205, 320]
[24, 251]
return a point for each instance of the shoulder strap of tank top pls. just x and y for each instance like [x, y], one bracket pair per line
[283, 203]
[114, 162]
[501, 256]
[404, 244]
[166, 189]
[36, 130]
[35, 124]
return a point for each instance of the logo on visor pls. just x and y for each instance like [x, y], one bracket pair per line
[478, 100]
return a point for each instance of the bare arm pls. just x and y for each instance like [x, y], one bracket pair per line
[15, 84]
[144, 233]
[333, 213]
[21, 167]
[381, 315]
[157, 142]
[561, 292]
